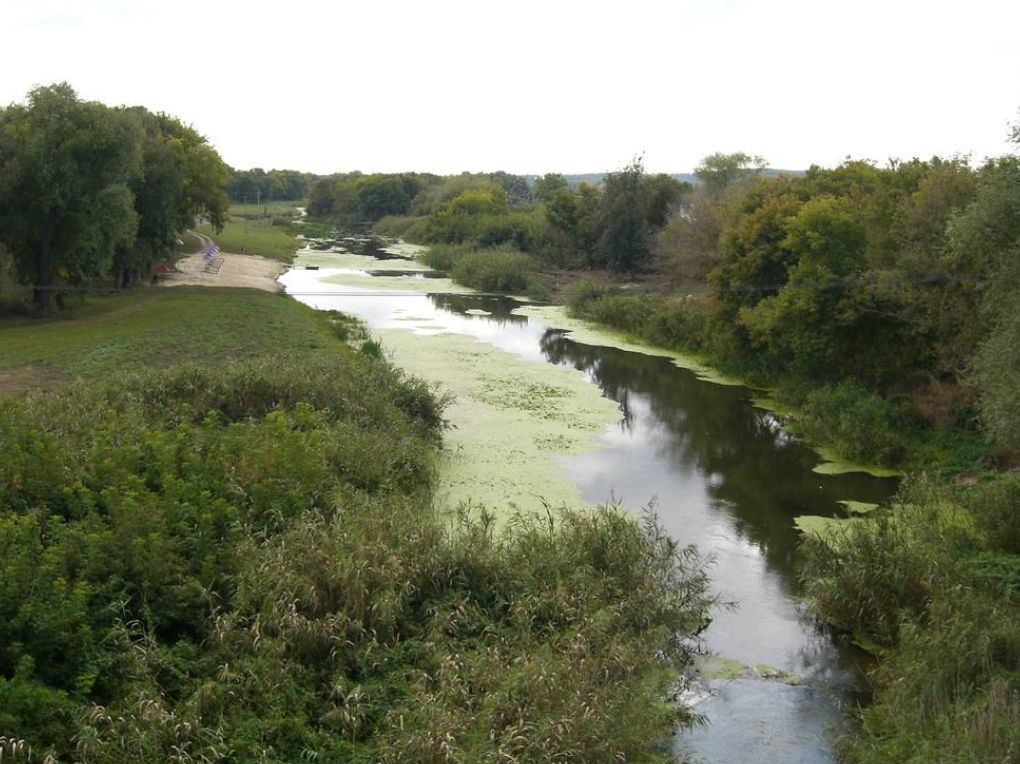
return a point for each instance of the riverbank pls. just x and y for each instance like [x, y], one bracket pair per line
[189, 544]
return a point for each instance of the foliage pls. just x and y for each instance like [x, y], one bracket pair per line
[934, 587]
[240, 561]
[89, 191]
[65, 203]
[488, 270]
[547, 185]
[250, 186]
[886, 568]
[622, 243]
[866, 427]
[181, 177]
[718, 172]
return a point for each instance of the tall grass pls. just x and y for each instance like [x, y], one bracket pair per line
[934, 589]
[242, 563]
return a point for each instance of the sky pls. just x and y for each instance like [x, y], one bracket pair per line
[534, 87]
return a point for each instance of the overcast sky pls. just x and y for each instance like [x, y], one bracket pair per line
[533, 87]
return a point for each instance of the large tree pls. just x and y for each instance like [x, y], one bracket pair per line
[622, 243]
[181, 176]
[717, 172]
[65, 205]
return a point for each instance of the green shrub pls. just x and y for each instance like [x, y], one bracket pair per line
[859, 425]
[879, 570]
[951, 693]
[494, 271]
[246, 559]
[488, 270]
[400, 227]
[996, 508]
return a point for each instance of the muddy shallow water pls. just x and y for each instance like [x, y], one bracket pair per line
[543, 416]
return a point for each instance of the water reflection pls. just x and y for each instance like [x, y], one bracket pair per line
[750, 467]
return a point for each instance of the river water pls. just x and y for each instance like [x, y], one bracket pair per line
[721, 472]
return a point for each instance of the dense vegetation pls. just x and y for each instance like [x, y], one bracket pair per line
[90, 194]
[932, 586]
[239, 561]
[488, 214]
[882, 303]
[880, 289]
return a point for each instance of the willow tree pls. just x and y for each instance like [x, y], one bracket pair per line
[65, 204]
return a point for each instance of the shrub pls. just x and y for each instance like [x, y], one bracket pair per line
[859, 424]
[246, 559]
[996, 508]
[879, 570]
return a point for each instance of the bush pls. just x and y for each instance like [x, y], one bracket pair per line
[488, 270]
[246, 559]
[399, 227]
[494, 271]
[951, 693]
[996, 508]
[859, 425]
[879, 570]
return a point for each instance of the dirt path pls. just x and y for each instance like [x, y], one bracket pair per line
[249, 271]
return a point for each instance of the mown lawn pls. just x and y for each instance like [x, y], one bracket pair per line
[136, 330]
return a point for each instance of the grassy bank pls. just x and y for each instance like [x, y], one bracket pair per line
[275, 241]
[236, 559]
[131, 331]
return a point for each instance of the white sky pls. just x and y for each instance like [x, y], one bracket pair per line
[532, 87]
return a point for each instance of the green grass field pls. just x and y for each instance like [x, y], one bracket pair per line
[250, 238]
[135, 330]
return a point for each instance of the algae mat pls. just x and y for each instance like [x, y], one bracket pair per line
[510, 419]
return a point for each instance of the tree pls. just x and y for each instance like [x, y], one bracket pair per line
[65, 205]
[381, 195]
[984, 239]
[548, 184]
[622, 243]
[811, 323]
[718, 171]
[572, 218]
[181, 176]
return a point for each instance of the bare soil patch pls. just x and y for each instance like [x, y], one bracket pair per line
[250, 271]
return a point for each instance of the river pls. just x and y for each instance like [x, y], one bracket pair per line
[552, 412]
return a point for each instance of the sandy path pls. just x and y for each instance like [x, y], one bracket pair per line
[249, 271]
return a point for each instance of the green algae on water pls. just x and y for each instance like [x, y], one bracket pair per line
[858, 507]
[818, 526]
[765, 671]
[509, 420]
[720, 668]
[833, 464]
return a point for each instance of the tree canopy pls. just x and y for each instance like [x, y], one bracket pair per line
[88, 190]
